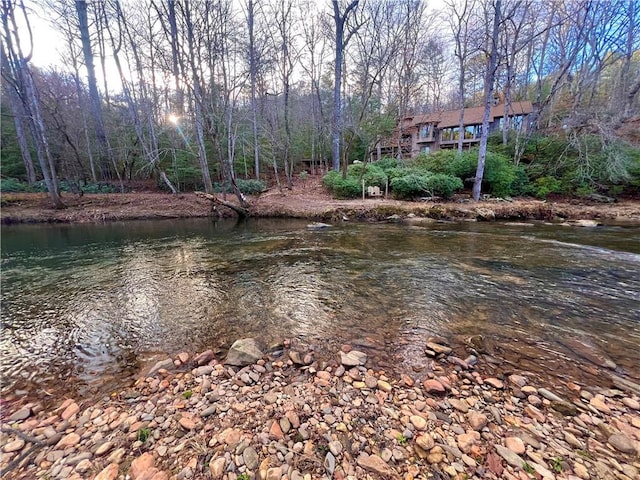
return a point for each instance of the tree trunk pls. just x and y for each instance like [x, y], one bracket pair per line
[488, 100]
[253, 67]
[94, 96]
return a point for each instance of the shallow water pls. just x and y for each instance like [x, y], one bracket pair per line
[88, 304]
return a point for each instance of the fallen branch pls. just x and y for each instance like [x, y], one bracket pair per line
[241, 211]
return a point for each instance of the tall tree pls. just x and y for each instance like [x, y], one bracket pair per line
[94, 95]
[341, 19]
[493, 9]
[16, 71]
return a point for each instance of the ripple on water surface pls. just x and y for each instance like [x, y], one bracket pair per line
[84, 303]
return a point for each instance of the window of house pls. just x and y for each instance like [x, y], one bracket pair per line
[450, 134]
[425, 131]
[425, 149]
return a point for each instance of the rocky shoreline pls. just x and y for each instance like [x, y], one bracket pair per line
[285, 415]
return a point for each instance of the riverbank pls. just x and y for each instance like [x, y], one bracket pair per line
[307, 200]
[284, 415]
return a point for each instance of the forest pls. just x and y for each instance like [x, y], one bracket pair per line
[240, 95]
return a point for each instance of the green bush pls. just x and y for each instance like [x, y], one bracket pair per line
[410, 186]
[443, 185]
[349, 187]
[544, 186]
[248, 186]
[14, 185]
[371, 173]
[386, 164]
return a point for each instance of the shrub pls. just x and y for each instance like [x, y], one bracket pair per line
[410, 186]
[14, 185]
[386, 164]
[443, 185]
[349, 187]
[371, 173]
[248, 187]
[544, 186]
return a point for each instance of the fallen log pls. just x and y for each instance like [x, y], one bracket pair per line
[241, 211]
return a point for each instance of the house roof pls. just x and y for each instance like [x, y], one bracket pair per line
[472, 115]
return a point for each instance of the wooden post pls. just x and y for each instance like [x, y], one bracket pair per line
[363, 189]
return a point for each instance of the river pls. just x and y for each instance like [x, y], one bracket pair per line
[83, 307]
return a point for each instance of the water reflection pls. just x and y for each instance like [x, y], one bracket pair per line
[85, 303]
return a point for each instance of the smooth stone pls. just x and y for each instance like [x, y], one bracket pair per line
[70, 440]
[165, 364]
[511, 457]
[622, 443]
[141, 464]
[375, 464]
[565, 408]
[104, 448]
[14, 446]
[433, 386]
[425, 442]
[494, 382]
[515, 444]
[459, 405]
[110, 472]
[518, 380]
[204, 357]
[353, 358]
[22, 414]
[552, 397]
[250, 457]
[477, 420]
[329, 463]
[70, 411]
[216, 468]
[631, 403]
[201, 371]
[243, 352]
[439, 349]
[418, 422]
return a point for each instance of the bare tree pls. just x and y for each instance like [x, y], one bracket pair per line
[493, 11]
[343, 24]
[16, 71]
[94, 95]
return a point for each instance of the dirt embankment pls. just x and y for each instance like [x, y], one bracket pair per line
[306, 200]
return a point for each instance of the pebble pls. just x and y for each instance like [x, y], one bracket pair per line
[353, 358]
[322, 420]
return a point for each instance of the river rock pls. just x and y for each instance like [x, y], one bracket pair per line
[438, 349]
[70, 411]
[318, 226]
[565, 408]
[515, 444]
[622, 443]
[375, 464]
[166, 364]
[22, 414]
[588, 352]
[511, 457]
[110, 472]
[433, 386]
[216, 468]
[141, 465]
[13, 446]
[632, 403]
[353, 358]
[69, 440]
[243, 352]
[477, 420]
[250, 457]
[425, 442]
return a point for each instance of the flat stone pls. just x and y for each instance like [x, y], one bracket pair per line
[375, 464]
[329, 463]
[243, 352]
[183, 357]
[552, 397]
[187, 423]
[518, 380]
[250, 457]
[203, 370]
[511, 457]
[581, 471]
[204, 357]
[433, 386]
[110, 472]
[274, 473]
[353, 358]
[565, 408]
[22, 414]
[622, 443]
[515, 444]
[494, 382]
[13, 446]
[104, 448]
[165, 364]
[632, 403]
[439, 349]
[384, 386]
[459, 405]
[599, 403]
[70, 440]
[70, 411]
[534, 413]
[141, 465]
[571, 439]
[84, 466]
[467, 440]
